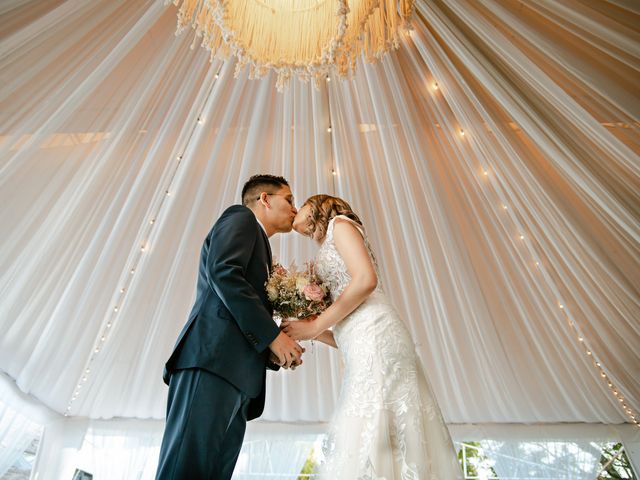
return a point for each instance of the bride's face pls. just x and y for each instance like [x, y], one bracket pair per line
[302, 222]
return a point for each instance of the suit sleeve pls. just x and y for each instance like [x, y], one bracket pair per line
[232, 242]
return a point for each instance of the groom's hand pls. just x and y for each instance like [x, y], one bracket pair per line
[275, 361]
[287, 351]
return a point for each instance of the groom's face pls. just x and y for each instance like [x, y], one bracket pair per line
[282, 210]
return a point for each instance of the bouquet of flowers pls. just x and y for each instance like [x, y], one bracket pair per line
[296, 293]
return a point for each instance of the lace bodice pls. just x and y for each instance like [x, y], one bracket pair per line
[331, 267]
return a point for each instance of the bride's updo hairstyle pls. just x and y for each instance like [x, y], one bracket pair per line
[323, 209]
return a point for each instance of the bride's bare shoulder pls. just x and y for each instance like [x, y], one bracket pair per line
[345, 227]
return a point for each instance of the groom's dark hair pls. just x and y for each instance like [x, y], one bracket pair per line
[258, 184]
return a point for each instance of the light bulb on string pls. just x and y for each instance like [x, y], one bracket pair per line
[597, 364]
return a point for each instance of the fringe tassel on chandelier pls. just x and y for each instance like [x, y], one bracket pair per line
[294, 38]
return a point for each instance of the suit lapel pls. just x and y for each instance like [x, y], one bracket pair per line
[266, 240]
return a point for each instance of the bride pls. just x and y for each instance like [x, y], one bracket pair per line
[387, 424]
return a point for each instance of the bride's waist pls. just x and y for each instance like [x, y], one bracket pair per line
[375, 309]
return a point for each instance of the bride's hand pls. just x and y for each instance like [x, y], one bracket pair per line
[303, 329]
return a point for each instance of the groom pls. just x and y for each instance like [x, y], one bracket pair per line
[216, 373]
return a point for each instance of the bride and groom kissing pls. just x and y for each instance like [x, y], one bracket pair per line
[387, 423]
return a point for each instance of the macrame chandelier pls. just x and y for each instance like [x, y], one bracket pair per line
[303, 38]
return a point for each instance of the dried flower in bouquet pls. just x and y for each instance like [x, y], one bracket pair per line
[296, 293]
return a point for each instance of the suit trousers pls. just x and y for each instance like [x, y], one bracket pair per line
[206, 421]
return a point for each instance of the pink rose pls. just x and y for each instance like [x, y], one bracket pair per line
[313, 292]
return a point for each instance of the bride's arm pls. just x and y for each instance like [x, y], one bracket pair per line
[327, 337]
[353, 250]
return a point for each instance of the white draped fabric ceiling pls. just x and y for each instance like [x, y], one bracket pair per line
[494, 159]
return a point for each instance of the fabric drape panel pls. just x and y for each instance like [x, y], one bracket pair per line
[584, 193]
[126, 448]
[17, 432]
[570, 460]
[276, 451]
[109, 184]
[548, 451]
[121, 450]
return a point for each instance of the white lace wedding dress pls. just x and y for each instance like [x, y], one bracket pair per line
[387, 424]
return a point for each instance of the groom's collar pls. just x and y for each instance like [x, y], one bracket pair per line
[266, 237]
[261, 225]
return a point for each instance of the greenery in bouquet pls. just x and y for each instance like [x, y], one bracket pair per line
[296, 293]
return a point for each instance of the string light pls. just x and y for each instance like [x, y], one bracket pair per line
[581, 340]
[597, 364]
[333, 171]
[143, 248]
[590, 354]
[328, 78]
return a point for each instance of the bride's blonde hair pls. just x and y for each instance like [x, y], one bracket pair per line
[323, 209]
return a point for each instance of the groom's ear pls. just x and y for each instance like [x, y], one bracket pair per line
[264, 199]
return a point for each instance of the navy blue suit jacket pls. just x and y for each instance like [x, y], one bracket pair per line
[231, 325]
